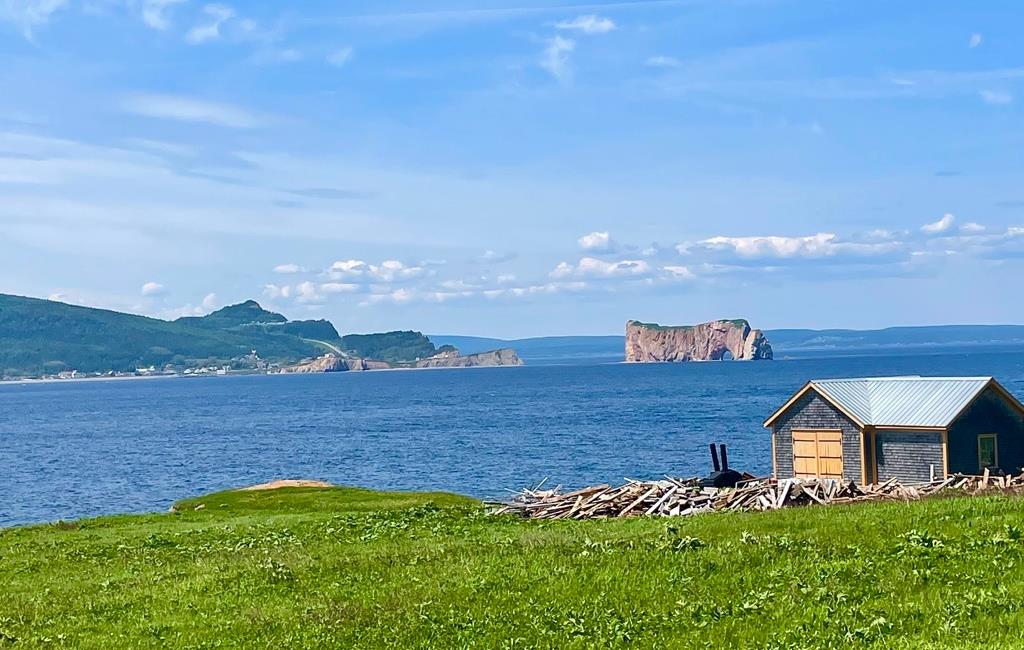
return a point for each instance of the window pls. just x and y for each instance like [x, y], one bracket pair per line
[988, 451]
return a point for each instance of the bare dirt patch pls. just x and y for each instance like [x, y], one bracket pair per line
[287, 483]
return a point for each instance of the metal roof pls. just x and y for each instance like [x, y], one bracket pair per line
[902, 401]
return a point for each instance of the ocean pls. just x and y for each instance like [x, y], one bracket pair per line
[80, 449]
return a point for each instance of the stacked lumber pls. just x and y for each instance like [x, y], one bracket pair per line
[673, 497]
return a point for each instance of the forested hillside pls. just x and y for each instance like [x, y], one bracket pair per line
[45, 337]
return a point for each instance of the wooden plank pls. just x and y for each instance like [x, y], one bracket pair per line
[640, 500]
[830, 436]
[832, 467]
[830, 449]
[662, 500]
[804, 448]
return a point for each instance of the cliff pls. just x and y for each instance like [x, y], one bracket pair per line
[712, 341]
[448, 358]
[334, 363]
[452, 359]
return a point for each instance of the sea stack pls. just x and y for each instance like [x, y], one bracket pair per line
[714, 341]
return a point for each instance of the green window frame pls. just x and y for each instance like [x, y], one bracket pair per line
[988, 451]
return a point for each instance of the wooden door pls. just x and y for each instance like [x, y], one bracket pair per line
[818, 454]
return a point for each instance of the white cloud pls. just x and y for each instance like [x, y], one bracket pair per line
[588, 24]
[153, 289]
[288, 268]
[590, 267]
[974, 41]
[996, 97]
[340, 57]
[154, 13]
[29, 14]
[555, 58]
[396, 296]
[942, 225]
[306, 292]
[598, 242]
[971, 227]
[679, 272]
[389, 270]
[187, 109]
[210, 302]
[217, 15]
[662, 62]
[339, 287]
[494, 257]
[401, 295]
[774, 246]
[386, 271]
[274, 291]
[356, 267]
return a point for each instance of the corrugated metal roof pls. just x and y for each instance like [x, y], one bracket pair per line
[903, 401]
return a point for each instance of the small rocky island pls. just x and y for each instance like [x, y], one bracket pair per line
[714, 341]
[446, 357]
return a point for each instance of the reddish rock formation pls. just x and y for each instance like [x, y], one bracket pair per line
[646, 342]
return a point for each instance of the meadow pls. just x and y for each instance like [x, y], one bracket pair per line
[353, 568]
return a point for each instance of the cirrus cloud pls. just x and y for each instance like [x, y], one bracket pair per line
[217, 15]
[588, 24]
[154, 13]
[189, 109]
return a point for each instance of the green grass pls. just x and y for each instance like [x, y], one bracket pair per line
[354, 568]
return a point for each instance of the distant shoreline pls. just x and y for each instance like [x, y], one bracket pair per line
[54, 380]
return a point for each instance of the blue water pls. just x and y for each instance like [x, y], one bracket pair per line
[69, 450]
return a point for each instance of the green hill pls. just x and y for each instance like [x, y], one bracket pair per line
[393, 347]
[43, 337]
[40, 337]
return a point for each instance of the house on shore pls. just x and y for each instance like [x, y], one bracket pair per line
[911, 428]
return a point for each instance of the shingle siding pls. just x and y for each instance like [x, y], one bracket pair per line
[990, 413]
[908, 455]
[812, 412]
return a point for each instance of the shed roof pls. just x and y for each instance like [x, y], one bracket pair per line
[925, 402]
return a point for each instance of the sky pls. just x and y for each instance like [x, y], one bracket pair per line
[519, 168]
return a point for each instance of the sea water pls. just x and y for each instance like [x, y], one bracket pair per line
[76, 449]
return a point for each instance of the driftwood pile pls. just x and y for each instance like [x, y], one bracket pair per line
[673, 497]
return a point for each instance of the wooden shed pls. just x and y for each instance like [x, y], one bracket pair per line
[911, 428]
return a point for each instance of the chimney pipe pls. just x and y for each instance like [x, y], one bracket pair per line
[714, 457]
[725, 458]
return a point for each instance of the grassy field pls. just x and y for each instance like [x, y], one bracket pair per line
[353, 568]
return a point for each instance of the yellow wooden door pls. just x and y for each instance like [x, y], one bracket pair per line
[818, 454]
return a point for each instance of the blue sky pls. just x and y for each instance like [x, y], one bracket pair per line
[517, 168]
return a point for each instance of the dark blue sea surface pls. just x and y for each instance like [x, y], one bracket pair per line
[77, 449]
